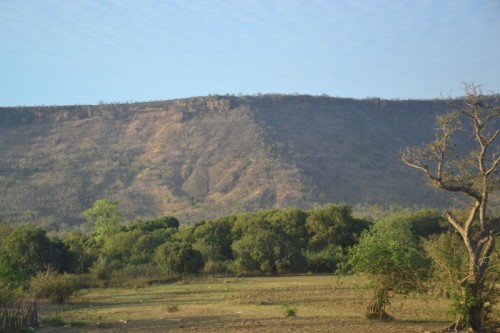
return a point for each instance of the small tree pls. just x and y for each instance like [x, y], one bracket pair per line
[470, 174]
[391, 257]
[105, 218]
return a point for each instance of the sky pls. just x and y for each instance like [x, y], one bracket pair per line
[60, 52]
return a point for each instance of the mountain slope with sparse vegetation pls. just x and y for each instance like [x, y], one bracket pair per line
[210, 156]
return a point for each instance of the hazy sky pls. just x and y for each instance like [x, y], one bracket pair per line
[87, 51]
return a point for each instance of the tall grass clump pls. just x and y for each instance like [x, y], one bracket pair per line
[54, 286]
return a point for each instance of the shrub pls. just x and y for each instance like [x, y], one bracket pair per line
[213, 267]
[289, 311]
[103, 268]
[172, 308]
[11, 283]
[54, 286]
[325, 261]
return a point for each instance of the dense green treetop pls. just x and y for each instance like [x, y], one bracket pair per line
[105, 218]
[333, 225]
[28, 250]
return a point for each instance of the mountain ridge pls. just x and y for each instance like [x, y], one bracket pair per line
[205, 157]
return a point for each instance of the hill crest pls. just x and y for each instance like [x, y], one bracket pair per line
[205, 157]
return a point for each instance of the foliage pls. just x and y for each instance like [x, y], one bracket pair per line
[6, 293]
[262, 243]
[333, 225]
[289, 310]
[212, 267]
[11, 284]
[392, 259]
[426, 222]
[119, 246]
[147, 242]
[82, 250]
[103, 267]
[178, 257]
[184, 234]
[423, 223]
[325, 261]
[54, 286]
[105, 218]
[4, 231]
[10, 275]
[163, 222]
[28, 250]
[451, 263]
[213, 239]
[259, 249]
[469, 171]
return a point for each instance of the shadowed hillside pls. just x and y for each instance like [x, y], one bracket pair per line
[210, 156]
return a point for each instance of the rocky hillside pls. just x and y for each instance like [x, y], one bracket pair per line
[210, 156]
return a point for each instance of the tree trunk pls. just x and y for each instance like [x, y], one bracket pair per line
[472, 313]
[376, 308]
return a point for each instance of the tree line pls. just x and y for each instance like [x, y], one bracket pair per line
[268, 242]
[404, 251]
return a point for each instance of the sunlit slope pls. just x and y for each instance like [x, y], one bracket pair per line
[209, 156]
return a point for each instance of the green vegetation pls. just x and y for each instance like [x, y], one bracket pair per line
[54, 286]
[178, 258]
[105, 219]
[470, 171]
[28, 250]
[272, 242]
[390, 254]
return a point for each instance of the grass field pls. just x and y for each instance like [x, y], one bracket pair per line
[321, 303]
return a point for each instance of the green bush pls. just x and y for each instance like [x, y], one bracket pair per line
[289, 311]
[11, 284]
[54, 286]
[178, 257]
[325, 261]
[393, 260]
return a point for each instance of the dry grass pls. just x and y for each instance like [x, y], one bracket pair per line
[323, 304]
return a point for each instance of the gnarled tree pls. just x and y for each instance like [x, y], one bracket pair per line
[470, 173]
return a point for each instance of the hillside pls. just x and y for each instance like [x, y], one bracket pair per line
[210, 156]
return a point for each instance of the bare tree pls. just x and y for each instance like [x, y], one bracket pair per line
[472, 174]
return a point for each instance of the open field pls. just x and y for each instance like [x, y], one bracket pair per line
[323, 303]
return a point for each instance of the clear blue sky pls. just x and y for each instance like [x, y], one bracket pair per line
[87, 51]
